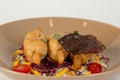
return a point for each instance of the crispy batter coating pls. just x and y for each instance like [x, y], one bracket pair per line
[79, 59]
[56, 52]
[35, 47]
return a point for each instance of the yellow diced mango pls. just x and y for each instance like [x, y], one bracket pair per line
[15, 63]
[97, 59]
[89, 56]
[82, 67]
[70, 73]
[18, 52]
[35, 72]
[88, 73]
[28, 63]
[61, 72]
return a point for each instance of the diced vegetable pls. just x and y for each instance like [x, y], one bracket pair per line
[18, 52]
[44, 40]
[27, 63]
[22, 68]
[94, 67]
[97, 59]
[70, 73]
[15, 63]
[35, 72]
[96, 64]
[62, 72]
[105, 60]
[57, 36]
[88, 73]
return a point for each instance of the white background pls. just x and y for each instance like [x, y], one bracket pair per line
[107, 11]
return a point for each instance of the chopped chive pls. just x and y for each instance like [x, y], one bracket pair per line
[76, 36]
[57, 36]
[44, 40]
[75, 32]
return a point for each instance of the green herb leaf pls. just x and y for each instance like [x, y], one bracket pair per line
[75, 32]
[44, 40]
[57, 36]
[76, 36]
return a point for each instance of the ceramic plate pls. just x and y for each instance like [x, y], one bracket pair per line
[12, 34]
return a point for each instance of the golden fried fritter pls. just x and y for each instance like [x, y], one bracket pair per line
[56, 51]
[35, 46]
[79, 59]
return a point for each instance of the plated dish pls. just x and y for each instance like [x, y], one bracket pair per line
[12, 36]
[69, 55]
